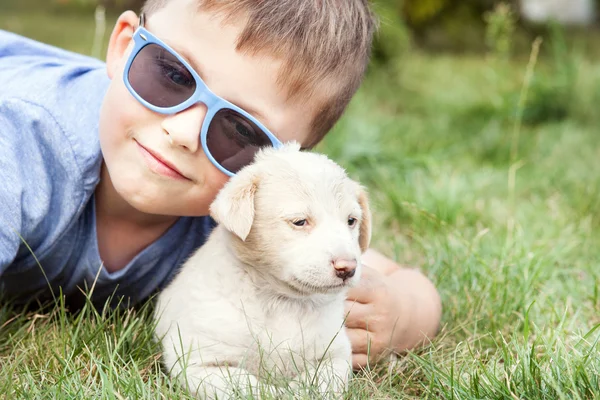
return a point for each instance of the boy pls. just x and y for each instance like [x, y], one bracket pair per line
[109, 168]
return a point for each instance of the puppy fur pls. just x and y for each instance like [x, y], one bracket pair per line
[261, 300]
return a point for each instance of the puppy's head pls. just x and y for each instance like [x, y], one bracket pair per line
[297, 217]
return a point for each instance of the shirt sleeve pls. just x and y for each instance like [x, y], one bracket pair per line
[26, 181]
[11, 189]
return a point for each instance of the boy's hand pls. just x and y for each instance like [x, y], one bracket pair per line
[392, 309]
[374, 322]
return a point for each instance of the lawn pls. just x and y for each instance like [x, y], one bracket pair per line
[482, 172]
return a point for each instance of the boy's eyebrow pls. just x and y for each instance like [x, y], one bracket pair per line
[250, 110]
[183, 53]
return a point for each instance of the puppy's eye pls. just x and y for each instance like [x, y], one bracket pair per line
[300, 222]
[351, 221]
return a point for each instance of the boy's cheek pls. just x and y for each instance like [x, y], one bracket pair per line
[210, 183]
[121, 113]
[214, 181]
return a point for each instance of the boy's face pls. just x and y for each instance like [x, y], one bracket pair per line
[133, 137]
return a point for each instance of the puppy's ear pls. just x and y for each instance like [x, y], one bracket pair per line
[364, 238]
[234, 205]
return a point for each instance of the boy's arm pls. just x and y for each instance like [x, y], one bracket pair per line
[10, 187]
[392, 309]
[32, 150]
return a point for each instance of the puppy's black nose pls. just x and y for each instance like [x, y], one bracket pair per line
[344, 268]
[345, 273]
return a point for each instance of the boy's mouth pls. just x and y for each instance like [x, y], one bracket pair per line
[159, 165]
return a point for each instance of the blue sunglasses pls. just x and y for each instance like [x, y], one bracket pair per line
[165, 82]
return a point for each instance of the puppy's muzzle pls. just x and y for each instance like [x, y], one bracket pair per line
[344, 268]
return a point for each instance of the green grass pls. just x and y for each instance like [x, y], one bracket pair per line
[433, 137]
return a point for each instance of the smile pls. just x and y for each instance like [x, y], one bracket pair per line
[158, 165]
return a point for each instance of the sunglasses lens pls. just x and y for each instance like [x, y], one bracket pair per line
[233, 139]
[158, 77]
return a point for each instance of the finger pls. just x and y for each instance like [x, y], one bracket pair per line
[360, 340]
[359, 361]
[357, 315]
[368, 287]
[376, 260]
[360, 294]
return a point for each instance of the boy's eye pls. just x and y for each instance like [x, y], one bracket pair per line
[176, 74]
[178, 78]
[243, 129]
[171, 70]
[240, 130]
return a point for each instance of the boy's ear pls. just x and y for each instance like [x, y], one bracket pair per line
[120, 39]
[234, 205]
[364, 238]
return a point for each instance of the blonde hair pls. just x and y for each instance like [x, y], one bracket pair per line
[324, 45]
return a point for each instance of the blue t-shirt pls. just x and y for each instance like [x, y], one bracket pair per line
[49, 167]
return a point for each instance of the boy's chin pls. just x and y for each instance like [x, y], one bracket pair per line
[167, 209]
[158, 202]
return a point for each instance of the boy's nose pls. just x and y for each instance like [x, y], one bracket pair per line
[184, 127]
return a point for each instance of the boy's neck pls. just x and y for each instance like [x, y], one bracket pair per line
[122, 231]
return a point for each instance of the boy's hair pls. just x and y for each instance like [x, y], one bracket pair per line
[324, 45]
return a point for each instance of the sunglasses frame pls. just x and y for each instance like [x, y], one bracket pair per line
[202, 94]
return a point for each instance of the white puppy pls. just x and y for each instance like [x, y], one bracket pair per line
[263, 298]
